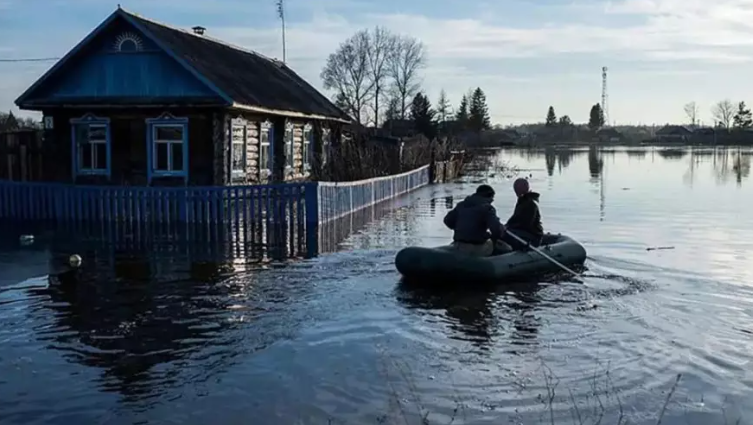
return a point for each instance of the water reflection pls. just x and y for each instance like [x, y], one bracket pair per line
[595, 163]
[141, 316]
[731, 164]
[526, 323]
[554, 156]
[727, 163]
[672, 153]
[116, 316]
[480, 315]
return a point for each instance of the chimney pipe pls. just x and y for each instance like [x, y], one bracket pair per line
[198, 30]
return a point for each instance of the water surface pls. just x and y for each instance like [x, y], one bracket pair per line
[163, 336]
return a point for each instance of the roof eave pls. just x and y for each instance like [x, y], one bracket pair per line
[62, 61]
[289, 114]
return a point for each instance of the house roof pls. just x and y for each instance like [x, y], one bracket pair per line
[243, 78]
[608, 131]
[672, 129]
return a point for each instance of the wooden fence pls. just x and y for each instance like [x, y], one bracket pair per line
[21, 155]
[282, 216]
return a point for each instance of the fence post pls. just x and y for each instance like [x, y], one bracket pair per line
[311, 199]
[432, 166]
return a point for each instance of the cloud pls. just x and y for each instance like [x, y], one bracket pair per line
[511, 48]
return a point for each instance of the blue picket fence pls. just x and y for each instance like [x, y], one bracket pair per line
[288, 214]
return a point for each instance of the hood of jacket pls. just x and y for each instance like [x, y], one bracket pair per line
[530, 196]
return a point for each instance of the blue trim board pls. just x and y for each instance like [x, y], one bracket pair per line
[151, 127]
[99, 29]
[90, 119]
[172, 54]
[59, 64]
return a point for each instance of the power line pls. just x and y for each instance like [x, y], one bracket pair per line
[28, 60]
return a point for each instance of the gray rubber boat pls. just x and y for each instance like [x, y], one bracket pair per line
[445, 263]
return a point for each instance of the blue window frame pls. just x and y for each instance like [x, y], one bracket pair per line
[167, 147]
[266, 159]
[289, 145]
[308, 139]
[91, 146]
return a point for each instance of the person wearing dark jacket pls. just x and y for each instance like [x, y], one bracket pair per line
[525, 221]
[475, 223]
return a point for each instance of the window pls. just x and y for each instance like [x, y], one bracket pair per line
[289, 145]
[308, 137]
[238, 149]
[168, 154]
[326, 135]
[91, 145]
[265, 138]
[167, 147]
[92, 148]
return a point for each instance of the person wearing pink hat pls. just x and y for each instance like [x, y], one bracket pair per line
[525, 221]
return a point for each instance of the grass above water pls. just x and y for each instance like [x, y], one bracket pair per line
[602, 405]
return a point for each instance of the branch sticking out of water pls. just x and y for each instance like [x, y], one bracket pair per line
[669, 396]
[659, 247]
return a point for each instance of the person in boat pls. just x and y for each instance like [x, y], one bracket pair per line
[475, 224]
[525, 221]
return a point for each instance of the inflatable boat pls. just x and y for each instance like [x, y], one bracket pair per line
[445, 263]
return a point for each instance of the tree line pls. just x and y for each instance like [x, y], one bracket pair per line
[472, 114]
[375, 76]
[726, 115]
[9, 122]
[595, 119]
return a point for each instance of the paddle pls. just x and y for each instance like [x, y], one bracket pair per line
[557, 263]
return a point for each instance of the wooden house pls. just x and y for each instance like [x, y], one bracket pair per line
[608, 135]
[141, 103]
[673, 134]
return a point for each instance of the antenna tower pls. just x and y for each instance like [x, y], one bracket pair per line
[281, 15]
[604, 96]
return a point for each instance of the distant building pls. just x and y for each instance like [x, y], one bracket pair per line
[141, 103]
[400, 128]
[673, 133]
[509, 136]
[609, 135]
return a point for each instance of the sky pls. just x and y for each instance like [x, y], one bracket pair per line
[525, 54]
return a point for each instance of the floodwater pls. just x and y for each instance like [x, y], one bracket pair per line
[157, 337]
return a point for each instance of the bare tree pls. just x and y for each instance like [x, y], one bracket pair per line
[722, 112]
[347, 73]
[407, 59]
[691, 110]
[381, 46]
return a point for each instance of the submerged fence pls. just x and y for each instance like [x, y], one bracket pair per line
[338, 199]
[282, 216]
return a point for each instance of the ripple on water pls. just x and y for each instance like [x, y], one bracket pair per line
[337, 336]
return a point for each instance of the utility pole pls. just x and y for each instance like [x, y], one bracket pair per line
[281, 14]
[604, 96]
